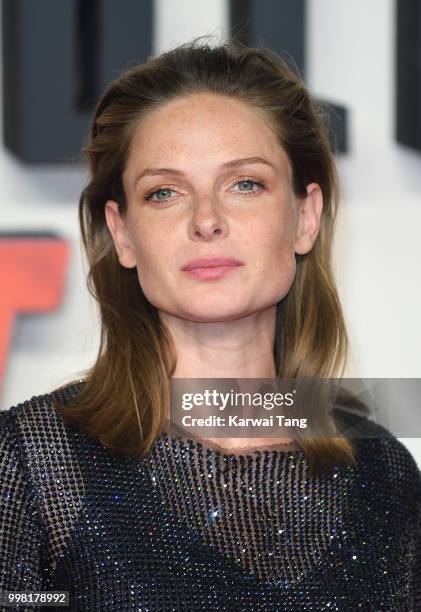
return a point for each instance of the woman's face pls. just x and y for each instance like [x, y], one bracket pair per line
[190, 196]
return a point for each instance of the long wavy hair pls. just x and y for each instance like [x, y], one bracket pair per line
[123, 402]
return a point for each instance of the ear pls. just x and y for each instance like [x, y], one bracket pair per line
[309, 211]
[117, 226]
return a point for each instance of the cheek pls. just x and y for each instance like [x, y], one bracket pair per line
[283, 267]
[146, 243]
[153, 251]
[278, 263]
[275, 241]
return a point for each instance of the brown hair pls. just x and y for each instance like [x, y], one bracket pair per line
[124, 400]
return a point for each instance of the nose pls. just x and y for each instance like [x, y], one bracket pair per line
[207, 222]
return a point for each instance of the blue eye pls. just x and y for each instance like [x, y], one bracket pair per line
[149, 196]
[251, 182]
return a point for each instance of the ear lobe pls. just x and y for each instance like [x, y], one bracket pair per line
[117, 227]
[309, 213]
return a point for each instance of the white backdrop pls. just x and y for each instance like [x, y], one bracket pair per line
[350, 60]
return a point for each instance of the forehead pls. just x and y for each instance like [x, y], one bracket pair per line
[201, 128]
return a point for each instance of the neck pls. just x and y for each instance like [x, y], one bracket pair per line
[241, 348]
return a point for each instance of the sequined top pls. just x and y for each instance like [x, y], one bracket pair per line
[188, 527]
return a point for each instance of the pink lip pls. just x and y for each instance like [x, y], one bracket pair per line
[211, 268]
[212, 262]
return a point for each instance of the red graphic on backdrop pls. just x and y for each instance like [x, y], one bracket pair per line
[33, 269]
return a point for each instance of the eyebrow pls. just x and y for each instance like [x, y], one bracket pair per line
[234, 163]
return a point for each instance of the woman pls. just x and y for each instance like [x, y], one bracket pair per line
[207, 152]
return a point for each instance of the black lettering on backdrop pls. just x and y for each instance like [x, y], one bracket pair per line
[58, 56]
[408, 73]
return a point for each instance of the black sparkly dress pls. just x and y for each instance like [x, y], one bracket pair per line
[191, 527]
